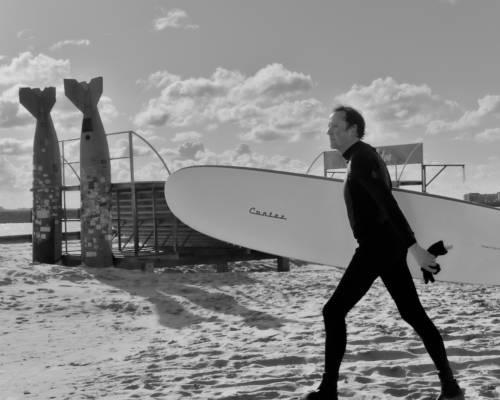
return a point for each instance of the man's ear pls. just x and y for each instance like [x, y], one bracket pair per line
[354, 129]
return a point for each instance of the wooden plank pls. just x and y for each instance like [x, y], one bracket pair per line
[28, 238]
[222, 266]
[283, 264]
[74, 188]
[197, 260]
[174, 229]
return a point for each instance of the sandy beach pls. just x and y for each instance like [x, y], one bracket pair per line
[252, 333]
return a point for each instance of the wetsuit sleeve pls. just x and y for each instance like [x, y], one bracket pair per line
[376, 180]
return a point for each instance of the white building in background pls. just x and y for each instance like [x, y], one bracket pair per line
[488, 199]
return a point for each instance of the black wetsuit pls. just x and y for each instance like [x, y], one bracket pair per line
[384, 236]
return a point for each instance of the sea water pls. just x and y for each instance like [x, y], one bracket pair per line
[26, 228]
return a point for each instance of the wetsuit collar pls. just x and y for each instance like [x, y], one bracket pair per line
[348, 153]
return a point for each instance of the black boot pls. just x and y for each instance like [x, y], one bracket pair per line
[450, 389]
[327, 390]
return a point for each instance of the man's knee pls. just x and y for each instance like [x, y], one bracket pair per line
[414, 317]
[333, 311]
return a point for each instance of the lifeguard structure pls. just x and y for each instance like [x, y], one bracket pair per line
[395, 155]
[146, 233]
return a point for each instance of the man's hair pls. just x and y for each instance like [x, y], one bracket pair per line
[352, 117]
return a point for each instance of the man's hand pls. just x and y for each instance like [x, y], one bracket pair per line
[423, 258]
[427, 259]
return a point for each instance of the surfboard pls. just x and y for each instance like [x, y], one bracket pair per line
[304, 217]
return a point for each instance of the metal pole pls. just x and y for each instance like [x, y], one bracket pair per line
[64, 199]
[422, 177]
[324, 168]
[134, 198]
[155, 222]
[315, 161]
[175, 233]
[119, 221]
[152, 148]
[435, 176]
[424, 181]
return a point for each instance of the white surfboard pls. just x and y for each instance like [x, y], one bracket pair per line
[304, 217]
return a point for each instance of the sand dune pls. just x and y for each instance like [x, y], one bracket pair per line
[253, 333]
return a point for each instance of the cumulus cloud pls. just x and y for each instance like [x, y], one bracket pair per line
[107, 110]
[147, 134]
[259, 104]
[489, 135]
[7, 173]
[195, 153]
[189, 150]
[483, 175]
[122, 149]
[481, 171]
[28, 69]
[184, 136]
[15, 147]
[174, 18]
[59, 45]
[243, 148]
[462, 137]
[14, 178]
[12, 114]
[71, 151]
[154, 171]
[488, 105]
[390, 107]
[23, 32]
[159, 79]
[289, 121]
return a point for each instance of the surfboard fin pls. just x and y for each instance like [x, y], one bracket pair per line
[37, 101]
[437, 249]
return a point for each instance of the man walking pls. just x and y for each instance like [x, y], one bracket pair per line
[384, 238]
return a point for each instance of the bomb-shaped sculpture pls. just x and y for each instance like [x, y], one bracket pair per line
[47, 204]
[95, 175]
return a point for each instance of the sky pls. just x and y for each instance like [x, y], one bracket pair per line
[252, 83]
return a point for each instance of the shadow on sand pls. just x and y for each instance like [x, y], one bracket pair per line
[181, 300]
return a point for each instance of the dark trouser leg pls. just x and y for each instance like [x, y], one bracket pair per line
[357, 280]
[398, 281]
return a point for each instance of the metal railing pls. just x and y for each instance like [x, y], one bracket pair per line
[132, 175]
[398, 181]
